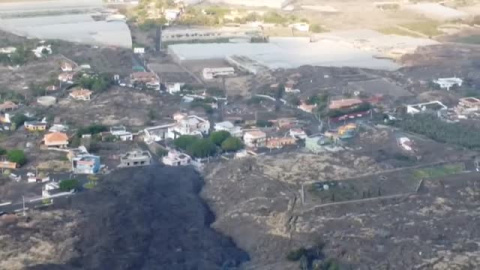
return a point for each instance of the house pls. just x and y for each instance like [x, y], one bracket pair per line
[121, 133]
[255, 138]
[173, 88]
[276, 143]
[175, 158]
[468, 105]
[86, 164]
[66, 66]
[81, 94]
[50, 189]
[157, 133]
[8, 106]
[306, 107]
[432, 106]
[285, 123]
[290, 87]
[190, 125]
[66, 77]
[447, 83]
[35, 126]
[171, 14]
[297, 133]
[135, 158]
[210, 73]
[8, 165]
[235, 131]
[56, 139]
[149, 79]
[344, 103]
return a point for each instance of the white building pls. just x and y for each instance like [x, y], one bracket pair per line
[175, 158]
[171, 14]
[49, 189]
[41, 50]
[297, 133]
[255, 138]
[302, 27]
[121, 133]
[210, 73]
[190, 125]
[235, 131]
[8, 50]
[447, 83]
[432, 106]
[173, 88]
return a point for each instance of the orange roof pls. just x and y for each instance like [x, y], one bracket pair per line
[81, 92]
[55, 137]
[342, 103]
[8, 105]
[307, 108]
[143, 76]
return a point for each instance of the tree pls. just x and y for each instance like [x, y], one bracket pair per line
[315, 28]
[18, 120]
[293, 100]
[2, 151]
[232, 144]
[202, 148]
[264, 123]
[280, 91]
[184, 141]
[69, 184]
[17, 156]
[218, 137]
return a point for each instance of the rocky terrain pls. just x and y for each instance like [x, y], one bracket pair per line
[146, 218]
[258, 203]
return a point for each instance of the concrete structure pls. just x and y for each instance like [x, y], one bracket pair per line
[47, 101]
[317, 143]
[136, 158]
[56, 139]
[235, 131]
[198, 33]
[66, 66]
[149, 79]
[297, 133]
[42, 50]
[81, 94]
[50, 189]
[66, 77]
[306, 107]
[210, 73]
[245, 64]
[468, 105]
[302, 27]
[58, 128]
[277, 4]
[432, 106]
[344, 103]
[121, 133]
[157, 133]
[190, 125]
[405, 143]
[86, 164]
[175, 158]
[8, 165]
[255, 138]
[447, 83]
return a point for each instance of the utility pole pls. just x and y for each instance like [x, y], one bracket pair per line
[303, 193]
[23, 202]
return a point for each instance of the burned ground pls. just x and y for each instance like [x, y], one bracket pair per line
[148, 218]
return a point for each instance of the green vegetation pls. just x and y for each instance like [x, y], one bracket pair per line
[218, 137]
[264, 123]
[2, 151]
[12, 96]
[313, 258]
[18, 120]
[97, 83]
[21, 56]
[203, 103]
[184, 141]
[17, 156]
[440, 171]
[69, 184]
[474, 39]
[202, 148]
[92, 129]
[274, 17]
[215, 92]
[232, 144]
[429, 28]
[431, 126]
[316, 28]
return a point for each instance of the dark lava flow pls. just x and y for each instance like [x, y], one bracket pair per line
[149, 218]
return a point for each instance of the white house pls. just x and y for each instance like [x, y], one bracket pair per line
[190, 125]
[40, 50]
[157, 133]
[8, 50]
[302, 27]
[298, 133]
[447, 83]
[121, 133]
[175, 158]
[171, 14]
[210, 73]
[173, 88]
[255, 138]
[432, 106]
[235, 131]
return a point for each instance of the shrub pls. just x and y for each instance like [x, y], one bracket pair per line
[218, 137]
[17, 156]
[232, 144]
[69, 184]
[202, 148]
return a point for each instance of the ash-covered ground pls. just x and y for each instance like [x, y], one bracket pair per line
[146, 218]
